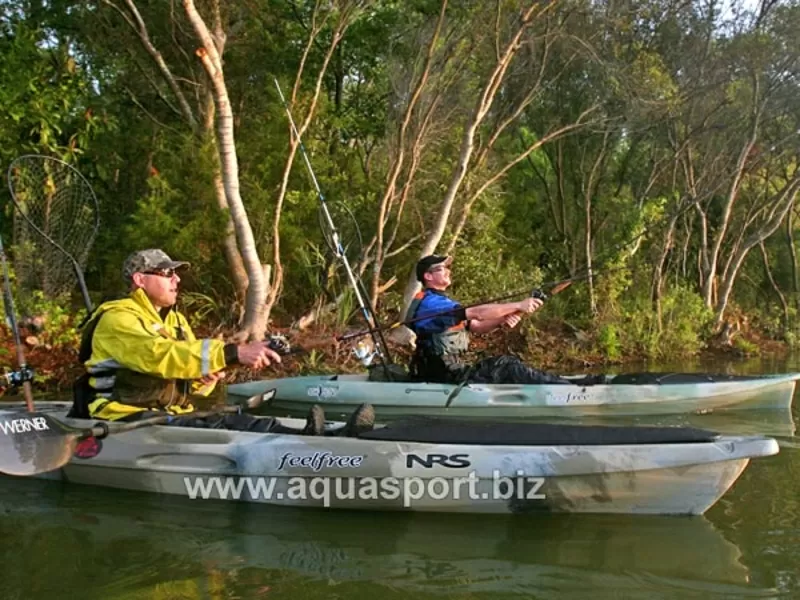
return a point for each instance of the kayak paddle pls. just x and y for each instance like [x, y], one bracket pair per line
[32, 443]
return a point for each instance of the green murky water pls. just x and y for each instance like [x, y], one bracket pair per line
[68, 541]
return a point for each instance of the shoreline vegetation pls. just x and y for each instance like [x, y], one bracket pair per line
[646, 153]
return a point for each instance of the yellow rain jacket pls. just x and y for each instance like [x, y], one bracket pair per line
[141, 361]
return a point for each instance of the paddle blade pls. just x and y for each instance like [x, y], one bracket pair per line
[33, 443]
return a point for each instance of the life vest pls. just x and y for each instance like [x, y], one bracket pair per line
[111, 390]
[447, 344]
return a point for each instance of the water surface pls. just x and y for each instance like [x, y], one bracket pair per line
[68, 541]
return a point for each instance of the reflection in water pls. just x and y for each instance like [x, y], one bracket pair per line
[774, 423]
[762, 515]
[94, 543]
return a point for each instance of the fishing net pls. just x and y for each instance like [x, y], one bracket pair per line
[55, 224]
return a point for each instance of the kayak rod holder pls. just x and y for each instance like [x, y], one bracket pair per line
[18, 377]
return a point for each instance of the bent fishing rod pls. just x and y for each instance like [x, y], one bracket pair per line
[366, 310]
[555, 287]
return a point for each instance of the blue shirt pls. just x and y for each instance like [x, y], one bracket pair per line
[433, 302]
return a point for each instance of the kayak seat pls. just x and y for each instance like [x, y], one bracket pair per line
[455, 431]
[392, 372]
[677, 378]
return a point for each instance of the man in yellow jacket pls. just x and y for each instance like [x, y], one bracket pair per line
[141, 356]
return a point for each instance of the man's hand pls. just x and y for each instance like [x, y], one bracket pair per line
[257, 355]
[212, 377]
[513, 320]
[529, 305]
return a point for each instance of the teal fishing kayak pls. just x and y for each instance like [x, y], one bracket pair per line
[628, 394]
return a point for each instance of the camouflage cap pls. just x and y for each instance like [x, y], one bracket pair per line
[148, 260]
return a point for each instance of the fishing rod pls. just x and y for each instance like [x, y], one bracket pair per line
[555, 287]
[24, 375]
[367, 312]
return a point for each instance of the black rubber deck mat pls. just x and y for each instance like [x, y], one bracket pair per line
[495, 433]
[677, 378]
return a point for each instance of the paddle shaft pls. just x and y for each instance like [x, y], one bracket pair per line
[103, 430]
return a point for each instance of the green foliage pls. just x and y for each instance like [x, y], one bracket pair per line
[609, 342]
[200, 308]
[314, 362]
[745, 347]
[45, 96]
[671, 94]
[486, 262]
[346, 308]
[685, 325]
[59, 321]
[792, 339]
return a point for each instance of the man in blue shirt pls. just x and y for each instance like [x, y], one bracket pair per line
[444, 338]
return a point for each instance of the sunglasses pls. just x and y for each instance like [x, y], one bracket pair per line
[169, 273]
[438, 269]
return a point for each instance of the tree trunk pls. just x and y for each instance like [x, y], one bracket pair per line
[229, 245]
[134, 19]
[591, 187]
[491, 180]
[733, 193]
[484, 104]
[398, 160]
[775, 286]
[346, 18]
[787, 195]
[660, 268]
[793, 257]
[200, 127]
[254, 321]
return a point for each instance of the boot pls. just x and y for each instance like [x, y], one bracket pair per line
[315, 421]
[361, 421]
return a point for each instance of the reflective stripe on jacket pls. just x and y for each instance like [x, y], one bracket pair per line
[141, 361]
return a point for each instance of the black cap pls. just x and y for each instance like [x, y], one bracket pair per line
[427, 262]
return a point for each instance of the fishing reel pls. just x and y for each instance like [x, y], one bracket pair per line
[364, 353]
[279, 344]
[539, 295]
[17, 378]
